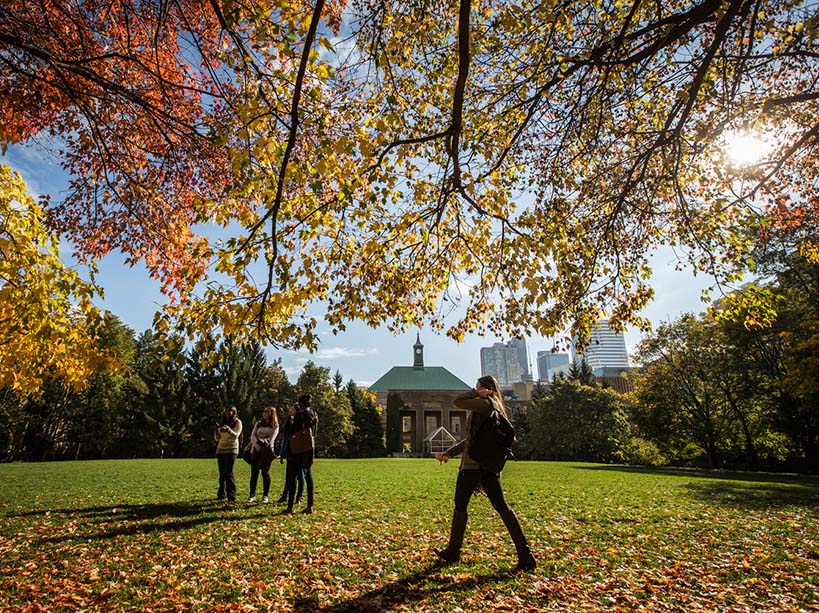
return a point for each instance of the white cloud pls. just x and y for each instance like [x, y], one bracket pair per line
[336, 353]
[292, 372]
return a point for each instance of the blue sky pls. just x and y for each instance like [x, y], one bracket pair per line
[360, 353]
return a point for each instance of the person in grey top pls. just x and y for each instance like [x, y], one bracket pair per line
[264, 433]
[227, 436]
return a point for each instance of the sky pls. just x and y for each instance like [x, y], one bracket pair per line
[360, 353]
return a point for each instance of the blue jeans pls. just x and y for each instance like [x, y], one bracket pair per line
[227, 482]
[298, 467]
[298, 477]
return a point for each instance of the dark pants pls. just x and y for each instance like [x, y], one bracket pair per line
[299, 463]
[227, 482]
[297, 477]
[255, 469]
[469, 479]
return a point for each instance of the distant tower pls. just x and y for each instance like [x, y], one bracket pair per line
[518, 345]
[507, 362]
[606, 353]
[549, 363]
[418, 353]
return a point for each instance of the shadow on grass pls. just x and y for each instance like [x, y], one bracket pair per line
[105, 522]
[756, 496]
[758, 490]
[415, 587]
[722, 475]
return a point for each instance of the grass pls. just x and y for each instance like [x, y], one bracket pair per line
[148, 535]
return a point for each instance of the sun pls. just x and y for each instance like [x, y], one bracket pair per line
[745, 148]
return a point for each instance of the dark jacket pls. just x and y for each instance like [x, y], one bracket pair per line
[478, 408]
[302, 419]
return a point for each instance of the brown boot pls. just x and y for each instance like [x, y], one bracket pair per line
[452, 553]
[526, 561]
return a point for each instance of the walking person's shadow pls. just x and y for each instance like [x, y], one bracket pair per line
[415, 587]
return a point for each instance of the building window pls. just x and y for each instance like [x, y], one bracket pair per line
[406, 423]
[456, 424]
[431, 424]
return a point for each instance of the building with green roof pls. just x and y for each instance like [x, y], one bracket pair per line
[418, 401]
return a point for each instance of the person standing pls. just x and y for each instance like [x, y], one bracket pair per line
[227, 449]
[480, 402]
[299, 476]
[262, 453]
[303, 421]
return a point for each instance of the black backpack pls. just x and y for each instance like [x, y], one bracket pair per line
[491, 444]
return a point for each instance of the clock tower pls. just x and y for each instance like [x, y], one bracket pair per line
[418, 353]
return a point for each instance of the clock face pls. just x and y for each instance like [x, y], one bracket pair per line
[418, 350]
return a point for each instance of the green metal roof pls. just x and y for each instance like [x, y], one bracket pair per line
[428, 378]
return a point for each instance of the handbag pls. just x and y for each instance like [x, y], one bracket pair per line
[301, 441]
[247, 453]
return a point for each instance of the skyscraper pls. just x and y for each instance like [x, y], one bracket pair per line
[606, 352]
[548, 363]
[507, 362]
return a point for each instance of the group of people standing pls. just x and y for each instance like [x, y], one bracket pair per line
[297, 450]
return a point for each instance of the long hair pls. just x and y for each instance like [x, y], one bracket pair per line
[273, 418]
[490, 383]
[227, 421]
[304, 401]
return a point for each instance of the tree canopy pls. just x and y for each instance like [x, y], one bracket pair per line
[49, 324]
[512, 162]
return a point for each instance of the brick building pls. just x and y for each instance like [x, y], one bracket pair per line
[420, 399]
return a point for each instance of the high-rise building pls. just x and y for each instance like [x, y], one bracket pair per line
[549, 363]
[519, 345]
[507, 362]
[606, 352]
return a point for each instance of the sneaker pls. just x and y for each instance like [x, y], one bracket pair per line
[308, 510]
[282, 500]
[251, 499]
[265, 499]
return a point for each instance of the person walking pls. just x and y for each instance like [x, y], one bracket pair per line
[480, 402]
[228, 432]
[262, 453]
[299, 475]
[305, 423]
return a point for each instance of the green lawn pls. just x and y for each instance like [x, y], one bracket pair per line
[148, 535]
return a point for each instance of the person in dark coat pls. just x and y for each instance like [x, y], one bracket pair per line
[480, 402]
[299, 475]
[304, 419]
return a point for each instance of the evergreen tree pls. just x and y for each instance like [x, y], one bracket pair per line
[367, 440]
[333, 410]
[162, 423]
[581, 372]
[242, 371]
[205, 385]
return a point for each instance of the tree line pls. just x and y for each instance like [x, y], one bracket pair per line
[734, 387]
[166, 401]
